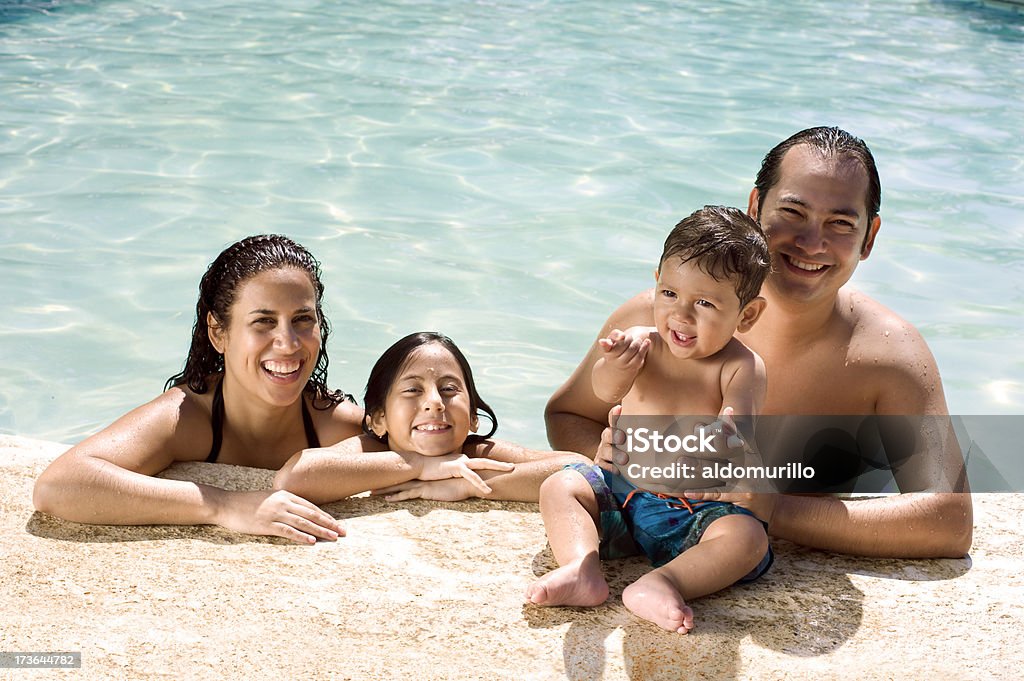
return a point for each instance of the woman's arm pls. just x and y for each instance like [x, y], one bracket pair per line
[108, 479]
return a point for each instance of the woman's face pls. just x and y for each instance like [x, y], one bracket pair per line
[272, 341]
[427, 409]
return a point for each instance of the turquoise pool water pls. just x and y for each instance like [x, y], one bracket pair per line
[504, 172]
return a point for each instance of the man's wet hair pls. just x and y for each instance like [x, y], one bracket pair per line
[830, 142]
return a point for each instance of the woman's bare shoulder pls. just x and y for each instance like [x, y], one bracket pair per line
[338, 422]
[174, 426]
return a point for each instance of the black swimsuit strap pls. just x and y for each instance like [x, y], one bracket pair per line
[307, 422]
[217, 423]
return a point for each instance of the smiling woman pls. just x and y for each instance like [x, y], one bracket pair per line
[259, 345]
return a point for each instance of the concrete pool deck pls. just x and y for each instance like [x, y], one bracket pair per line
[434, 590]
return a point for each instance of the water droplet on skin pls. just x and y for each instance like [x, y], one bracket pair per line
[887, 333]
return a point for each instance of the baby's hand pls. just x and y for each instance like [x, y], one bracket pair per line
[461, 466]
[626, 350]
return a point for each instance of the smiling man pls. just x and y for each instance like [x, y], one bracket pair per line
[828, 350]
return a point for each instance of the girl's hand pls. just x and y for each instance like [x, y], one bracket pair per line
[461, 466]
[451, 489]
[279, 514]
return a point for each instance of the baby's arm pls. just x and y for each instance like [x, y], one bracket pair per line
[624, 353]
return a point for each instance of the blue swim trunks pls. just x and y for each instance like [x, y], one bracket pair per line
[660, 529]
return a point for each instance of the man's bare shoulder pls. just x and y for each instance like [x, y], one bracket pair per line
[891, 351]
[878, 332]
[736, 351]
[637, 311]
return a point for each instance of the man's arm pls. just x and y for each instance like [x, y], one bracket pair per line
[574, 415]
[914, 525]
[920, 525]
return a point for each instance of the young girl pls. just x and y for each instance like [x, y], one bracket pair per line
[422, 414]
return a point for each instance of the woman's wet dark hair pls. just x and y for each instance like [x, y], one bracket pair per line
[387, 368]
[218, 288]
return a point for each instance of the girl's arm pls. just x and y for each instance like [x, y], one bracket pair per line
[520, 484]
[349, 467]
[108, 479]
[362, 463]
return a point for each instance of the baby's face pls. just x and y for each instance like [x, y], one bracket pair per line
[427, 408]
[696, 315]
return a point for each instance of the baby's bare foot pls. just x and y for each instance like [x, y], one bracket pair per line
[655, 598]
[571, 584]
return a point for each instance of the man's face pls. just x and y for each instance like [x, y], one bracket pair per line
[817, 225]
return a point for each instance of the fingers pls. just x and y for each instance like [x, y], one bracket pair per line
[405, 494]
[625, 349]
[472, 478]
[305, 522]
[728, 421]
[645, 347]
[613, 415]
[484, 463]
[391, 489]
[633, 352]
[614, 341]
[704, 495]
[608, 454]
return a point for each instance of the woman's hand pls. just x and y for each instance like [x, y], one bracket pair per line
[461, 466]
[276, 513]
[450, 489]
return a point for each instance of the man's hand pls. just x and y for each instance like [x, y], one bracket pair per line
[608, 452]
[761, 505]
[461, 466]
[280, 514]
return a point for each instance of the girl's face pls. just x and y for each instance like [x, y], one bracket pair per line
[427, 408]
[273, 338]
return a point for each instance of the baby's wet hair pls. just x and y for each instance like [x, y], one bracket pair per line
[724, 242]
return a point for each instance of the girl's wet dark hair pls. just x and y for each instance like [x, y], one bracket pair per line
[218, 289]
[386, 370]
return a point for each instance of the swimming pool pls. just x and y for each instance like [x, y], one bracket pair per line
[503, 172]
